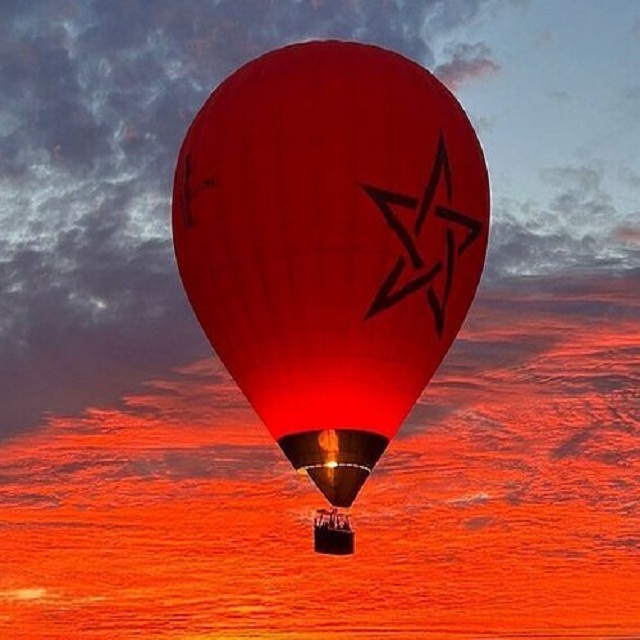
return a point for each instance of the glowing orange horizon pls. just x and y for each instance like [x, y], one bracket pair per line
[513, 511]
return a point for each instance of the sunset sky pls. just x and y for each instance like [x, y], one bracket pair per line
[142, 498]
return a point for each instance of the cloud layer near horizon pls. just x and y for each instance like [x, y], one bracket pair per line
[509, 501]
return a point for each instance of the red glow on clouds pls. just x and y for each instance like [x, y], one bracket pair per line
[508, 505]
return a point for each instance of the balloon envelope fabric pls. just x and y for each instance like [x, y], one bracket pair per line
[330, 219]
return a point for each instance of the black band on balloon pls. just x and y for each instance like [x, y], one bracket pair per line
[338, 460]
[348, 446]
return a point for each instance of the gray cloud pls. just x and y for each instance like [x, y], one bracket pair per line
[479, 522]
[578, 229]
[628, 235]
[572, 446]
[83, 323]
[468, 62]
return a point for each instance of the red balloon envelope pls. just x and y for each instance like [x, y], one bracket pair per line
[330, 221]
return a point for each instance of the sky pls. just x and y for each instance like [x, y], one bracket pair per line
[142, 498]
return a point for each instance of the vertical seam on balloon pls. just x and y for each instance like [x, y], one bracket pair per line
[418, 76]
[276, 364]
[222, 224]
[295, 340]
[239, 263]
[286, 292]
[323, 252]
[269, 341]
[354, 316]
[381, 350]
[408, 322]
[282, 344]
[211, 275]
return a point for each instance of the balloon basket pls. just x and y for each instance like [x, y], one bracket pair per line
[332, 533]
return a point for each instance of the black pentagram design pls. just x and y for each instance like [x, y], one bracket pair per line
[425, 273]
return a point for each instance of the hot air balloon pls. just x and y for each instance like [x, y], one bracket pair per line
[330, 223]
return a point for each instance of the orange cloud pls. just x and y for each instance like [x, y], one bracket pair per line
[509, 504]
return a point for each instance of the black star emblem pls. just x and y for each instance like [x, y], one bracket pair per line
[425, 273]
